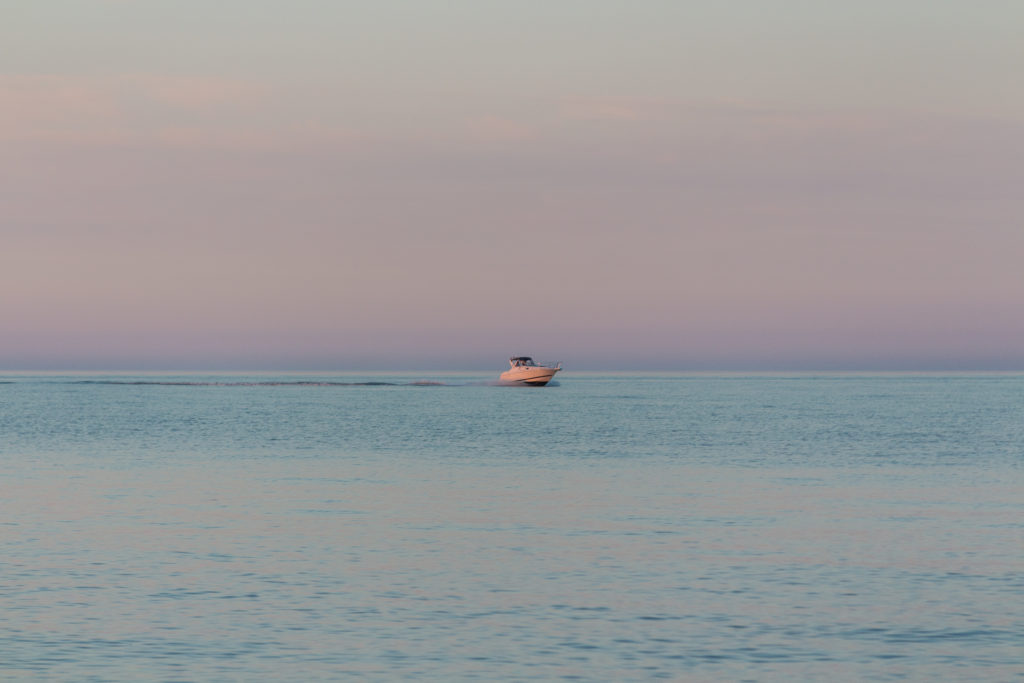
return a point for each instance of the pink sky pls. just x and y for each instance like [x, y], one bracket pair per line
[272, 186]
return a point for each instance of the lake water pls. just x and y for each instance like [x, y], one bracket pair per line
[612, 527]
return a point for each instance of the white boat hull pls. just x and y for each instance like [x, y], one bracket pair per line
[534, 376]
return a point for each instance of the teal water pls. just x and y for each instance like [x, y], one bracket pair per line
[200, 527]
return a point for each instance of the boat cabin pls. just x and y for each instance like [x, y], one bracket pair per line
[521, 361]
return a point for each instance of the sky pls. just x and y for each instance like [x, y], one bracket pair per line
[331, 185]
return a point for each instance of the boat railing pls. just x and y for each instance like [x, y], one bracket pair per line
[538, 364]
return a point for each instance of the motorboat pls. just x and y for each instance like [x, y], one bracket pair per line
[524, 370]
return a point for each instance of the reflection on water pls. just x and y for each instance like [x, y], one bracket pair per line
[612, 528]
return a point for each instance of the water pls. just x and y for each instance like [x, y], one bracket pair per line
[613, 527]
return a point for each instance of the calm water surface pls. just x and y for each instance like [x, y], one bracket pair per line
[613, 527]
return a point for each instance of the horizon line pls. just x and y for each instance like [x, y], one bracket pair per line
[584, 369]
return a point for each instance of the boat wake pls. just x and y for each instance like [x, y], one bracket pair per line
[291, 383]
[273, 383]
